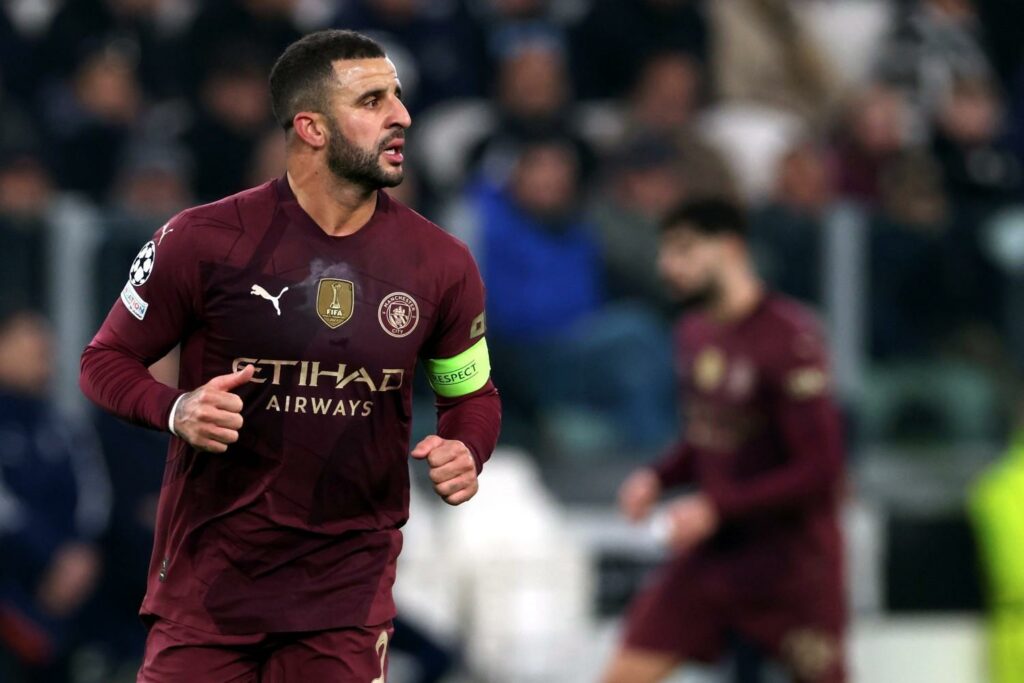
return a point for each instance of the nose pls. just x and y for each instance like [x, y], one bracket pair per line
[399, 115]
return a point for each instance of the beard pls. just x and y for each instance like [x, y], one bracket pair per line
[701, 297]
[359, 166]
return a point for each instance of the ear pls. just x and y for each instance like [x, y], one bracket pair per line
[311, 129]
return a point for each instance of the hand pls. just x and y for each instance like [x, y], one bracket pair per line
[638, 494]
[452, 468]
[69, 579]
[691, 520]
[209, 417]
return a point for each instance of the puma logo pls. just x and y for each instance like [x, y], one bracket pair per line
[382, 654]
[264, 294]
[163, 233]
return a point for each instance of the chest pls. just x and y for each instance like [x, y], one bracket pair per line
[723, 374]
[301, 304]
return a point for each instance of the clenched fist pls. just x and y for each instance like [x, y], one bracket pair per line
[452, 468]
[209, 417]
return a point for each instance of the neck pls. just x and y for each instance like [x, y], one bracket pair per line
[339, 208]
[740, 294]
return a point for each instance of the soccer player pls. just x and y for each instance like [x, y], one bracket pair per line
[301, 307]
[756, 545]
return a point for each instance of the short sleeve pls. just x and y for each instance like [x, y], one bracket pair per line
[455, 355]
[160, 299]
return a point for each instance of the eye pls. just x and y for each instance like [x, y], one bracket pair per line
[371, 102]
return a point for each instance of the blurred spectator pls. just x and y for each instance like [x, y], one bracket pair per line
[17, 131]
[874, 131]
[90, 120]
[233, 115]
[533, 100]
[934, 43]
[223, 27]
[16, 66]
[135, 459]
[25, 192]
[25, 186]
[546, 315]
[982, 176]
[663, 107]
[53, 504]
[80, 27]
[536, 215]
[786, 233]
[268, 161]
[442, 39]
[970, 141]
[152, 185]
[644, 180]
[762, 53]
[910, 268]
[665, 97]
[615, 39]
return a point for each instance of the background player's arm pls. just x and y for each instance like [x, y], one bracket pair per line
[642, 488]
[809, 423]
[468, 408]
[675, 467]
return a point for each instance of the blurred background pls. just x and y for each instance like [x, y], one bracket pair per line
[878, 144]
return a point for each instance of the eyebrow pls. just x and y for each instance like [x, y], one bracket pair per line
[379, 92]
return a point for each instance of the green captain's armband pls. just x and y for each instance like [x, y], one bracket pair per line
[461, 375]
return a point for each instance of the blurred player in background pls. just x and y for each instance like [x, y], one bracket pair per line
[301, 307]
[756, 544]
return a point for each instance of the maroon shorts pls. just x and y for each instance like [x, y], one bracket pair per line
[690, 609]
[181, 654]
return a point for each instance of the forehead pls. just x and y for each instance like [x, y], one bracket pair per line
[358, 75]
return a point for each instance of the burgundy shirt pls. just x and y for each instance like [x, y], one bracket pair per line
[296, 527]
[763, 440]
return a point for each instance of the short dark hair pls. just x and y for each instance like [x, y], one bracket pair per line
[300, 76]
[707, 216]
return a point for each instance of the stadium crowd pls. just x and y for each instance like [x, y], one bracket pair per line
[550, 136]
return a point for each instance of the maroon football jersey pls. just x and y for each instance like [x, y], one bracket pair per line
[296, 527]
[763, 440]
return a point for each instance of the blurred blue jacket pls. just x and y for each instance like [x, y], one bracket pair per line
[540, 278]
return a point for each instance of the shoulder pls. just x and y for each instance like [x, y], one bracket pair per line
[796, 349]
[208, 230]
[691, 328]
[789, 320]
[444, 249]
[233, 211]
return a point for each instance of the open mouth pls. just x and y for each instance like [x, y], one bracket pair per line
[393, 151]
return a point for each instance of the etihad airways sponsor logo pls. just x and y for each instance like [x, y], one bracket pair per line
[320, 406]
[292, 374]
[313, 373]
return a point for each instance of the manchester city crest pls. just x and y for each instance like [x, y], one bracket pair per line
[398, 314]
